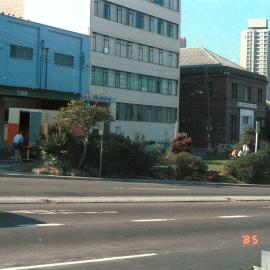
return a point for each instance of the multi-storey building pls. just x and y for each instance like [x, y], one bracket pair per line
[41, 68]
[219, 99]
[255, 48]
[12, 7]
[135, 64]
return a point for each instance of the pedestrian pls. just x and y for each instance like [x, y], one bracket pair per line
[17, 145]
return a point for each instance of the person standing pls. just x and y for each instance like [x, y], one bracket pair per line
[17, 145]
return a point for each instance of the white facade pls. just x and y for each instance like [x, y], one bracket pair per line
[135, 60]
[255, 48]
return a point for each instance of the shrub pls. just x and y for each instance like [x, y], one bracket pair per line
[247, 138]
[125, 157]
[188, 165]
[181, 143]
[251, 168]
[54, 146]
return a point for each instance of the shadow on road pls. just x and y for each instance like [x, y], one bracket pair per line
[9, 220]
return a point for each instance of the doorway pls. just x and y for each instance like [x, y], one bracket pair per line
[24, 125]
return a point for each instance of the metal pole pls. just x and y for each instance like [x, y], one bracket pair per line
[208, 109]
[257, 136]
[100, 157]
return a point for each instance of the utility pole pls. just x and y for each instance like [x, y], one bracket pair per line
[208, 109]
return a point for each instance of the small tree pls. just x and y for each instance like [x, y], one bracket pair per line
[79, 115]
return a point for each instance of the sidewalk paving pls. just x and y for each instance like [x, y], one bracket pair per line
[130, 199]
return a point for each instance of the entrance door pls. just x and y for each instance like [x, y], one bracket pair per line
[24, 125]
[34, 130]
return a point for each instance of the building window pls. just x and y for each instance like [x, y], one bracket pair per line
[138, 82]
[94, 42]
[234, 91]
[21, 52]
[260, 95]
[119, 14]
[247, 94]
[132, 50]
[139, 20]
[107, 11]
[161, 57]
[63, 60]
[144, 113]
[136, 19]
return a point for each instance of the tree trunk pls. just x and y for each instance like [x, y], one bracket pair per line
[85, 146]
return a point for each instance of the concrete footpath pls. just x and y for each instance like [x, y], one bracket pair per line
[129, 199]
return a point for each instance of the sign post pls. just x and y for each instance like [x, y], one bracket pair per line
[257, 135]
[101, 133]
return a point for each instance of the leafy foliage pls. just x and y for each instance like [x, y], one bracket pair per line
[79, 115]
[182, 143]
[54, 145]
[247, 138]
[251, 168]
[188, 164]
[125, 157]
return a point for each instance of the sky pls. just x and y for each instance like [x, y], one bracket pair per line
[213, 24]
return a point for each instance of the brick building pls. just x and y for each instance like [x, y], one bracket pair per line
[219, 99]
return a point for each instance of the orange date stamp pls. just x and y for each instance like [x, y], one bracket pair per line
[250, 239]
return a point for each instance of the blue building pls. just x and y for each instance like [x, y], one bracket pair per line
[41, 67]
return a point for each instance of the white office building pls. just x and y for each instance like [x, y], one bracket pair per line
[135, 64]
[255, 48]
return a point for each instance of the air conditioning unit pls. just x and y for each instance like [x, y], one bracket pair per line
[106, 50]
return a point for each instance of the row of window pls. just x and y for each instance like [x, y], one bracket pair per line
[26, 53]
[131, 81]
[246, 94]
[171, 4]
[145, 113]
[132, 50]
[133, 18]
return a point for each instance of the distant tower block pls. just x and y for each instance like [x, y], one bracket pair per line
[12, 7]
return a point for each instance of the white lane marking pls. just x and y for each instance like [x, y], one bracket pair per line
[161, 189]
[238, 216]
[80, 262]
[59, 212]
[40, 225]
[154, 220]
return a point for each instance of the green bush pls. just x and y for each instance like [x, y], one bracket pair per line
[54, 145]
[251, 168]
[125, 157]
[188, 165]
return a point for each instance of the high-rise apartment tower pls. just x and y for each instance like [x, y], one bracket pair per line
[255, 48]
[135, 64]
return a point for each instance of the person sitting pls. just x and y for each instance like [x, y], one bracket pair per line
[17, 145]
[234, 154]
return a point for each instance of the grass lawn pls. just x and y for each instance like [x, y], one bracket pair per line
[215, 164]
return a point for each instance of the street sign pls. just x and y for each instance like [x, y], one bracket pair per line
[100, 127]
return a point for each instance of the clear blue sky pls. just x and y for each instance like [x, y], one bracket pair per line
[217, 24]
[214, 24]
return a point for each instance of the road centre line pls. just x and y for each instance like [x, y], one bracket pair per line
[161, 189]
[154, 220]
[41, 266]
[40, 225]
[236, 216]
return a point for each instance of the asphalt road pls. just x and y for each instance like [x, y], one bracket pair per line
[57, 187]
[184, 236]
